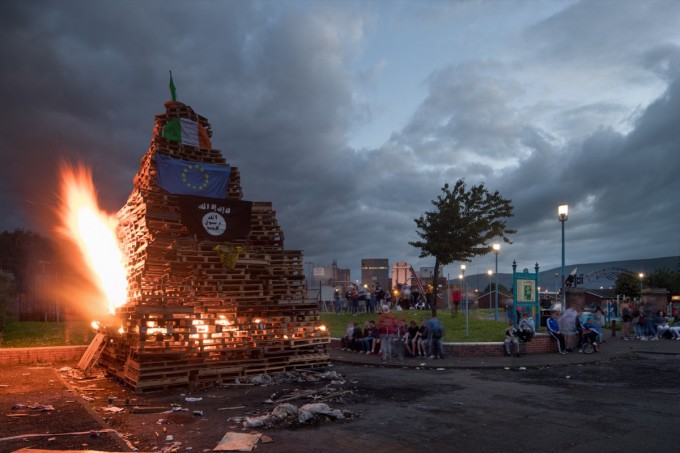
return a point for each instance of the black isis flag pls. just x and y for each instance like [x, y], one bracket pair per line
[216, 219]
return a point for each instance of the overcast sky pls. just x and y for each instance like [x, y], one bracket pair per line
[351, 116]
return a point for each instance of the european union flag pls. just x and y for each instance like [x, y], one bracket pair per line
[181, 177]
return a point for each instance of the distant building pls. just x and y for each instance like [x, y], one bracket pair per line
[425, 275]
[330, 275]
[401, 273]
[375, 271]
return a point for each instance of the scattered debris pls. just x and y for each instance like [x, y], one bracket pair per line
[113, 409]
[230, 408]
[148, 409]
[327, 393]
[34, 406]
[310, 411]
[233, 441]
[287, 413]
[191, 399]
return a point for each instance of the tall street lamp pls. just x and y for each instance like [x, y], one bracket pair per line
[563, 213]
[464, 288]
[496, 250]
[642, 277]
[489, 273]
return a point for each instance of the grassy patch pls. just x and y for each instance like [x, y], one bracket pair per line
[481, 326]
[30, 334]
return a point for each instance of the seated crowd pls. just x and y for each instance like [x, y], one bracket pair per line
[395, 338]
[571, 330]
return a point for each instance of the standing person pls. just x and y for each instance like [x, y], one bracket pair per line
[372, 302]
[511, 338]
[436, 334]
[380, 299]
[387, 330]
[336, 302]
[567, 324]
[627, 318]
[553, 326]
[415, 296]
[354, 301]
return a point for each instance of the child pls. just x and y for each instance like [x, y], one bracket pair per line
[526, 328]
[511, 337]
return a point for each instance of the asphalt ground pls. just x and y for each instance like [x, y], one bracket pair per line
[612, 347]
[623, 398]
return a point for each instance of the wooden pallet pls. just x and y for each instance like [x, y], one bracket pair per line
[92, 353]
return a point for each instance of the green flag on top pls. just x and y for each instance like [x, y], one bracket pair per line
[173, 91]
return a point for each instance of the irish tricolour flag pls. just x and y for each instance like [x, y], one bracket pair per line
[187, 132]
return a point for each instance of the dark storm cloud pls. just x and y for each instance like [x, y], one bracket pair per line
[83, 80]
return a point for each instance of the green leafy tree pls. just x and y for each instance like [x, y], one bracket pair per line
[628, 284]
[7, 292]
[668, 279]
[461, 226]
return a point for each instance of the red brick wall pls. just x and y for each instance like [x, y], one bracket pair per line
[14, 356]
[541, 344]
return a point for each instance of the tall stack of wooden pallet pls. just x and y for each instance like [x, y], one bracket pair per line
[191, 320]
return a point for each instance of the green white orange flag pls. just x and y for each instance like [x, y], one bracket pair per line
[187, 132]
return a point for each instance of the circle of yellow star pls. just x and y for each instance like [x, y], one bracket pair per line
[195, 167]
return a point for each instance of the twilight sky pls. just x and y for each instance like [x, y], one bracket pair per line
[351, 115]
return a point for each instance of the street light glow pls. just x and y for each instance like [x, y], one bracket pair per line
[563, 212]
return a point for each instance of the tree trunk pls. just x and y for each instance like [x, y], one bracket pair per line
[435, 277]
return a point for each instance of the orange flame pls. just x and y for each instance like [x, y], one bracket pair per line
[94, 231]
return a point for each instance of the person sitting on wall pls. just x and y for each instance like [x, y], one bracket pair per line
[423, 343]
[662, 326]
[527, 328]
[411, 338]
[675, 328]
[370, 339]
[511, 338]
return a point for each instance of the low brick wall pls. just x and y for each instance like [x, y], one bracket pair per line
[541, 344]
[15, 356]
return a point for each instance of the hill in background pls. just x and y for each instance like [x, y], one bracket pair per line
[595, 275]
